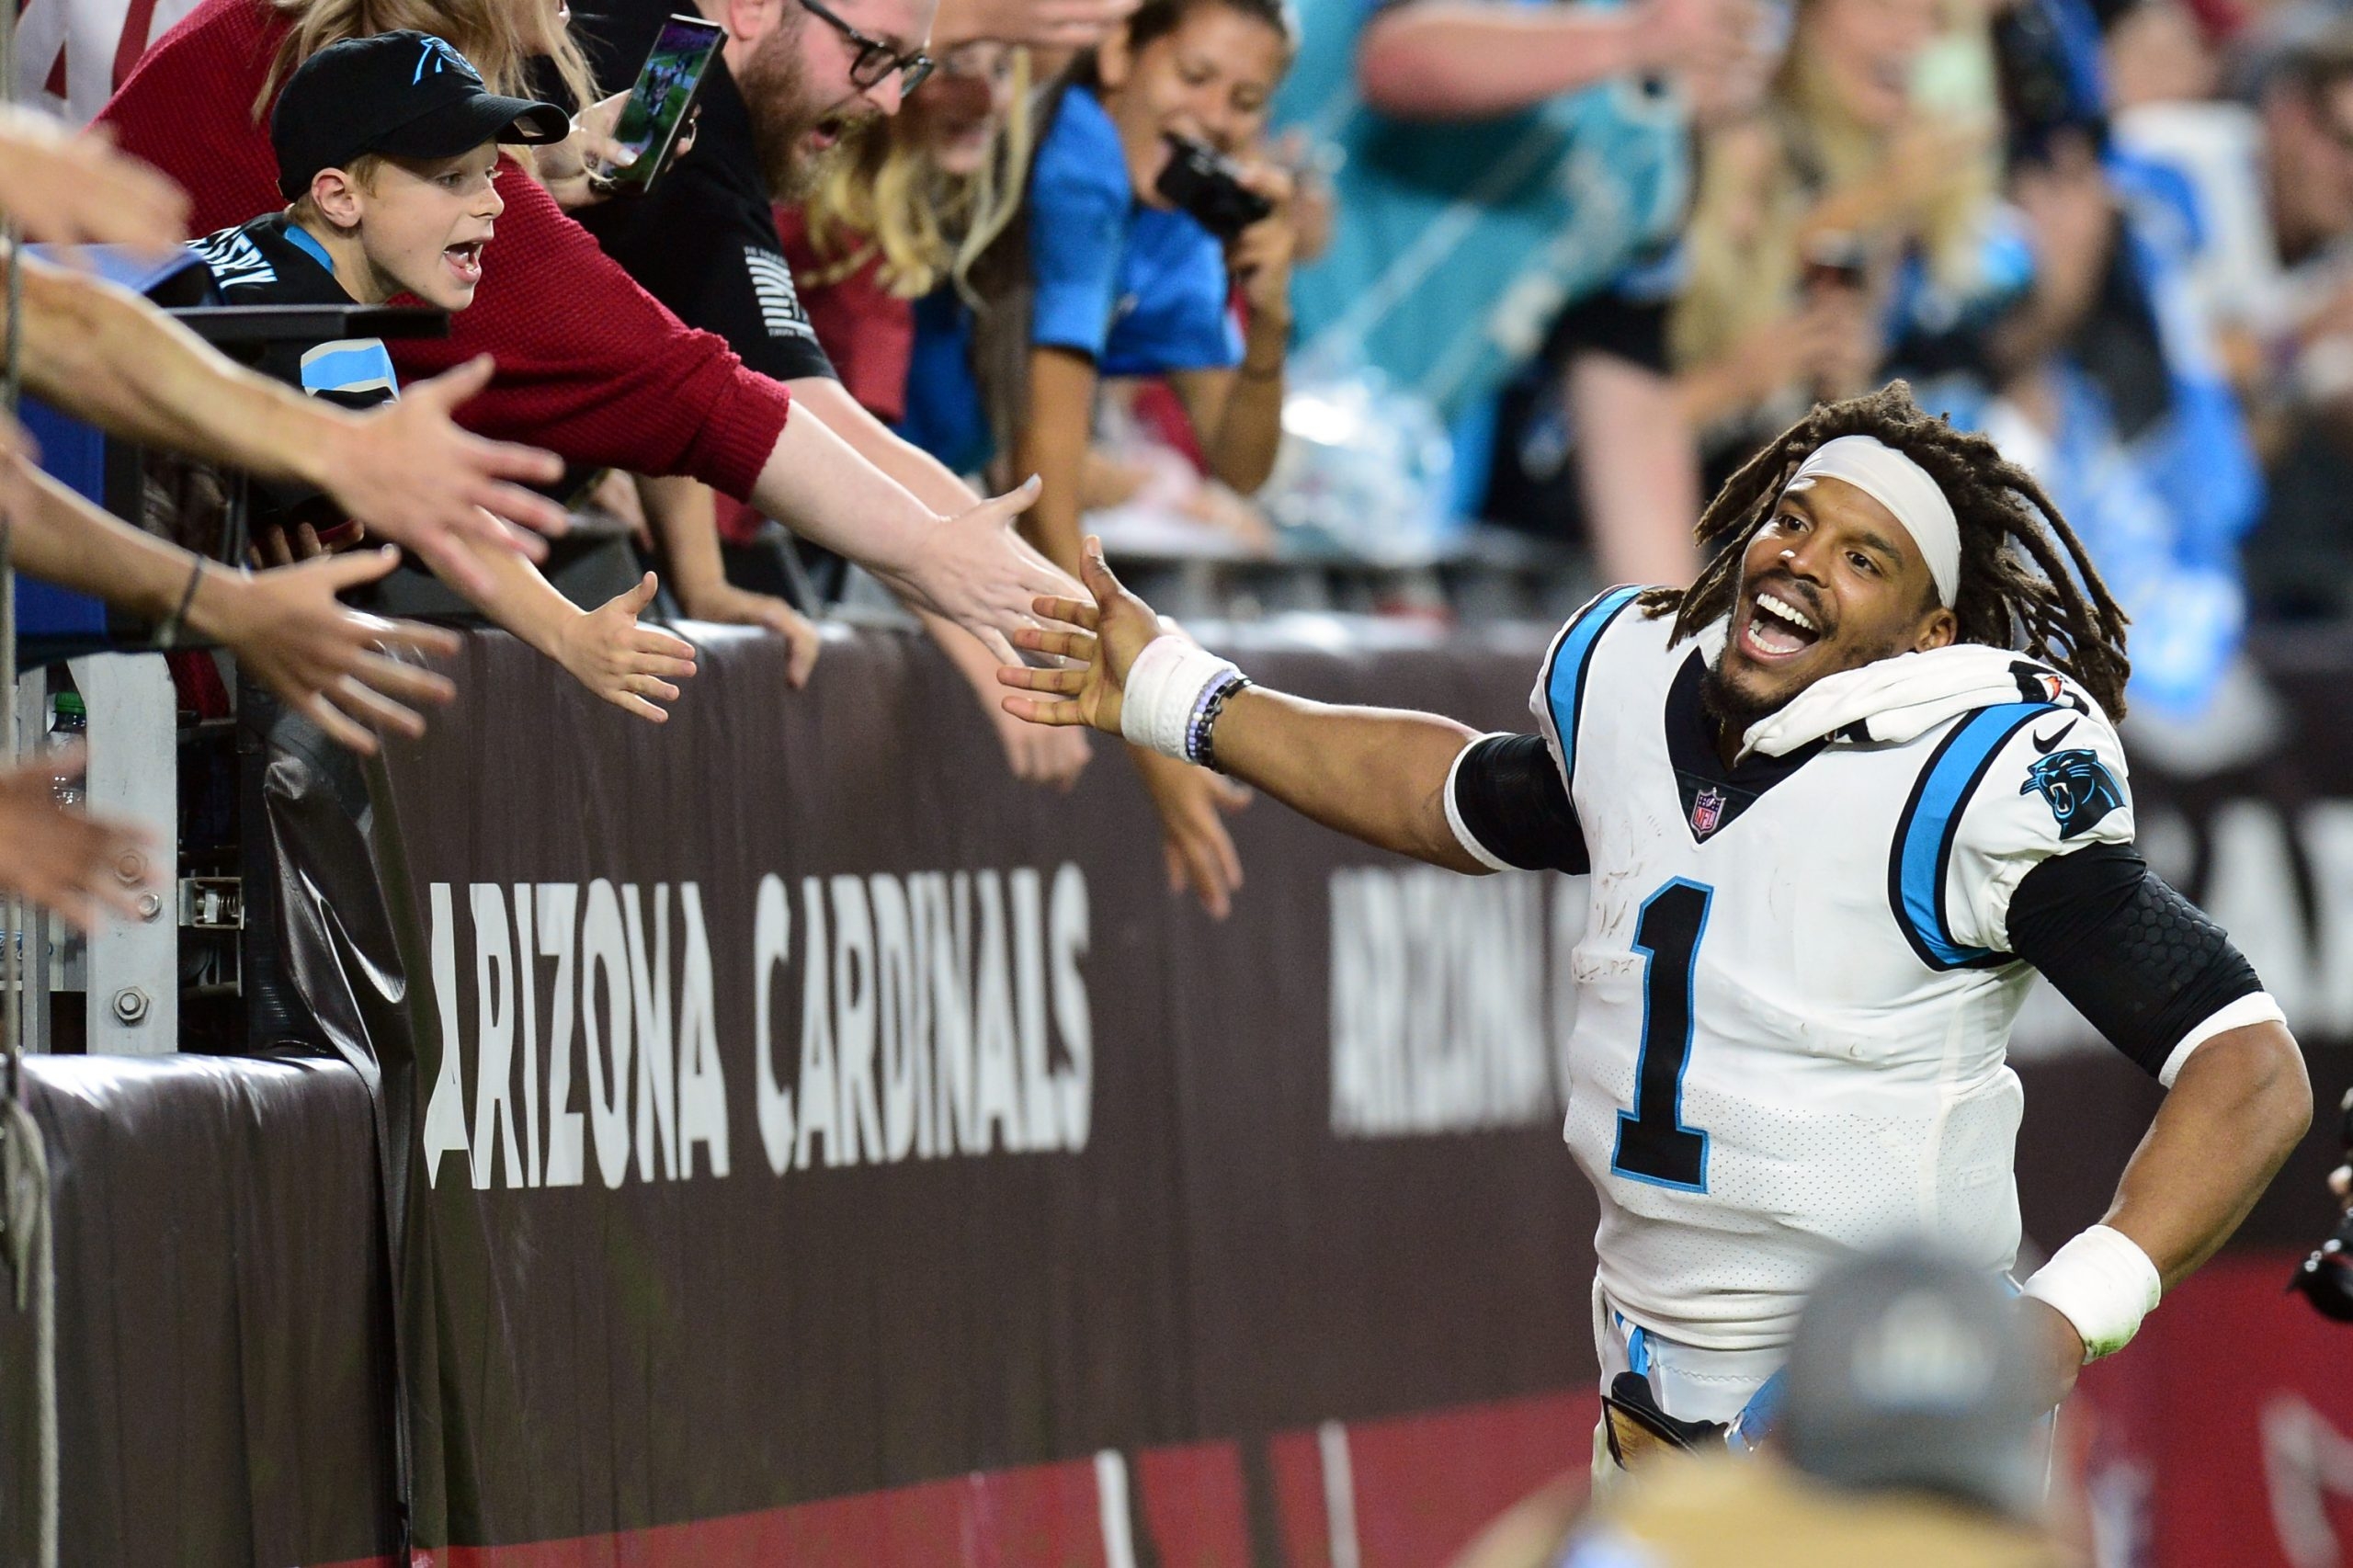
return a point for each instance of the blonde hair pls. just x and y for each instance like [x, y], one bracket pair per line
[487, 32]
[889, 200]
[1761, 186]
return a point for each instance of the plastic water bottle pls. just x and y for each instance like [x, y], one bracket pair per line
[69, 724]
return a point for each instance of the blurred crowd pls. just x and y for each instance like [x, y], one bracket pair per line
[1213, 277]
[2108, 233]
[1562, 267]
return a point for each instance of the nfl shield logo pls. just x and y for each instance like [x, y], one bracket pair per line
[1706, 811]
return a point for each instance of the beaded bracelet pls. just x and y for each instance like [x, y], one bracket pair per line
[1199, 735]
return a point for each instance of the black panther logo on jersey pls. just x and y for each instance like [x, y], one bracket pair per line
[2075, 785]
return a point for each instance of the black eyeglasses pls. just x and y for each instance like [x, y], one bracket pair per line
[875, 59]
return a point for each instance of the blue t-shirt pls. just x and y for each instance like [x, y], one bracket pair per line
[1140, 290]
[945, 415]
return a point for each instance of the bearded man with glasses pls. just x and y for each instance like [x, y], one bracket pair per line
[792, 79]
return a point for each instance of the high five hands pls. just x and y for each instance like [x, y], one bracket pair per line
[1102, 640]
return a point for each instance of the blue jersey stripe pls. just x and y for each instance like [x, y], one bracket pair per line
[302, 239]
[1924, 834]
[355, 369]
[1564, 682]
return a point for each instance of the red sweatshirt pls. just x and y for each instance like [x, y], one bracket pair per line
[589, 365]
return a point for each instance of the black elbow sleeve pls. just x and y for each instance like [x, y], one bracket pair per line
[2141, 963]
[1508, 795]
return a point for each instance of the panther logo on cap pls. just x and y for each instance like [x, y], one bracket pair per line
[438, 53]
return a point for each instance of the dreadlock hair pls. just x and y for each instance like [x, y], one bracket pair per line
[2025, 582]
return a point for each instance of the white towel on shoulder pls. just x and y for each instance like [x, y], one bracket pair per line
[1897, 699]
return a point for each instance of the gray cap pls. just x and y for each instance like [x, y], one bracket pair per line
[1913, 1371]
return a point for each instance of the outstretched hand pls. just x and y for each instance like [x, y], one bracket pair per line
[624, 663]
[66, 861]
[1105, 637]
[1053, 758]
[70, 188]
[325, 660]
[731, 605]
[1193, 803]
[1036, 753]
[977, 571]
[412, 476]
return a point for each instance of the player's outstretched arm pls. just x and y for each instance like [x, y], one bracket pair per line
[1376, 774]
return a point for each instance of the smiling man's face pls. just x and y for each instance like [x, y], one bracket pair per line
[1832, 582]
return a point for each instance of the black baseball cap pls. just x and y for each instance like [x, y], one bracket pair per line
[406, 94]
[1912, 1369]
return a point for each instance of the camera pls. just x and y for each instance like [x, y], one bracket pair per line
[2327, 1276]
[1199, 181]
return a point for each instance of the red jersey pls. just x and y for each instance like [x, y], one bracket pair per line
[589, 365]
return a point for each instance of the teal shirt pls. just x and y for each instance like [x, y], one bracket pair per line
[1456, 246]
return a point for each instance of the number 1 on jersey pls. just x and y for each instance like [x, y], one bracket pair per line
[1652, 1144]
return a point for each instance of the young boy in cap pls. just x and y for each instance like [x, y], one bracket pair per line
[386, 148]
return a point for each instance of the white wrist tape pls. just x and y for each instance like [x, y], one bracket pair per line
[1164, 685]
[2104, 1284]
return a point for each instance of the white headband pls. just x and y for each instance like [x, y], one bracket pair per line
[1900, 485]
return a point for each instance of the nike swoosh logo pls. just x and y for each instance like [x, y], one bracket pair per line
[2044, 746]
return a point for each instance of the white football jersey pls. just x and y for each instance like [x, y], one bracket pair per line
[1794, 992]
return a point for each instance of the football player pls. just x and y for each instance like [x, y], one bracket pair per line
[1838, 801]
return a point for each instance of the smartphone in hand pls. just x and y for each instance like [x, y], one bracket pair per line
[655, 115]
